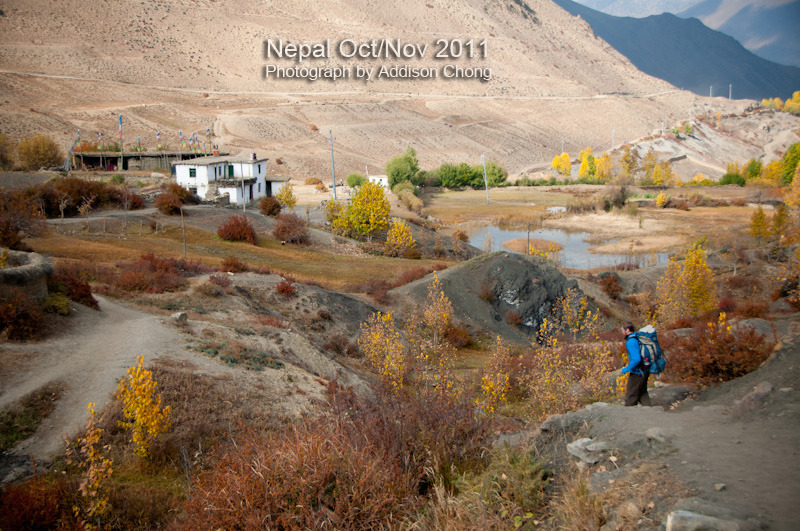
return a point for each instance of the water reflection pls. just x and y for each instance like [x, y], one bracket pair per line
[576, 253]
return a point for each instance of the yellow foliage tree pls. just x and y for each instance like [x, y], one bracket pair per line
[661, 199]
[437, 312]
[142, 407]
[39, 151]
[792, 194]
[95, 468]
[604, 168]
[629, 163]
[771, 173]
[399, 240]
[649, 165]
[380, 342]
[285, 196]
[367, 212]
[687, 288]
[759, 227]
[662, 174]
[562, 164]
[333, 210]
[495, 379]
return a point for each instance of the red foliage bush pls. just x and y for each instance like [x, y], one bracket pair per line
[415, 274]
[64, 280]
[20, 315]
[291, 229]
[231, 264]
[713, 354]
[285, 288]
[151, 274]
[458, 336]
[726, 304]
[611, 286]
[742, 281]
[271, 320]
[751, 310]
[375, 288]
[237, 229]
[168, 204]
[269, 206]
[486, 292]
[513, 318]
[37, 503]
[184, 196]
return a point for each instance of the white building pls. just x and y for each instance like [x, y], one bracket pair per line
[380, 180]
[243, 180]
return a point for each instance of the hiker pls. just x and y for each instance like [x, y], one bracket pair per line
[636, 392]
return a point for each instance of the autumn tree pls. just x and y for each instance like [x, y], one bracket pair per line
[142, 407]
[629, 163]
[354, 180]
[381, 344]
[604, 168]
[437, 312]
[759, 227]
[495, 379]
[286, 197]
[663, 176]
[6, 153]
[588, 167]
[780, 221]
[792, 195]
[39, 151]
[19, 219]
[790, 161]
[771, 173]
[562, 164]
[649, 165]
[399, 240]
[687, 288]
[367, 212]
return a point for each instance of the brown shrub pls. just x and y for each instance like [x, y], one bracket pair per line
[64, 280]
[184, 196]
[168, 204]
[458, 336]
[20, 315]
[375, 288]
[460, 235]
[727, 304]
[321, 187]
[151, 274]
[513, 318]
[611, 286]
[713, 354]
[269, 206]
[311, 476]
[271, 320]
[741, 281]
[41, 502]
[231, 264]
[486, 292]
[312, 180]
[753, 309]
[237, 229]
[285, 288]
[291, 228]
[220, 280]
[337, 343]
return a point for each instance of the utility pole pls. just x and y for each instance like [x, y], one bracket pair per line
[333, 170]
[485, 180]
[709, 90]
[730, 91]
[562, 146]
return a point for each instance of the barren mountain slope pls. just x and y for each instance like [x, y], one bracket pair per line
[190, 65]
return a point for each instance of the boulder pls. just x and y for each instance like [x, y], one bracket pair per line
[588, 451]
[761, 326]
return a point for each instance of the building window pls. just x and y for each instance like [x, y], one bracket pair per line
[230, 171]
[259, 168]
[192, 172]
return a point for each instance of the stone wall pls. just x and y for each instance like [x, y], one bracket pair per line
[26, 271]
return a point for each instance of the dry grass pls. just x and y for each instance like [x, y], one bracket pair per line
[304, 264]
[508, 204]
[520, 245]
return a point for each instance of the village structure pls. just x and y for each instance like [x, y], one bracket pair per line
[240, 180]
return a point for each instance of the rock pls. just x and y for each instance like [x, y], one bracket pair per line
[694, 514]
[513, 439]
[659, 434]
[762, 327]
[588, 451]
[719, 486]
[180, 318]
[157, 175]
[684, 332]
[688, 521]
[665, 395]
[751, 400]
[781, 306]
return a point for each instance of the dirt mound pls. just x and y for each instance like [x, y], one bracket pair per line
[491, 291]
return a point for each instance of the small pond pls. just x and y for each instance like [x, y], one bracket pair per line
[574, 255]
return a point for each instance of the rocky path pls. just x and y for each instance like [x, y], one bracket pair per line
[90, 355]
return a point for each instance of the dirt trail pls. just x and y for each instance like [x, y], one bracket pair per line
[89, 356]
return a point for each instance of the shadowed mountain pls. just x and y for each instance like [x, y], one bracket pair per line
[689, 55]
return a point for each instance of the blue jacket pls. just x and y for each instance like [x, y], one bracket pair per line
[634, 357]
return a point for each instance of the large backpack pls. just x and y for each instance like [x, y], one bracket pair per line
[653, 359]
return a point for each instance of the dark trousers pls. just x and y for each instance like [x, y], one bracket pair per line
[636, 392]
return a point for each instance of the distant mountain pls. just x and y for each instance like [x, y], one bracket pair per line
[769, 28]
[639, 8]
[769, 31]
[690, 55]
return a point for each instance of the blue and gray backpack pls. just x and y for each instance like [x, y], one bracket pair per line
[653, 359]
